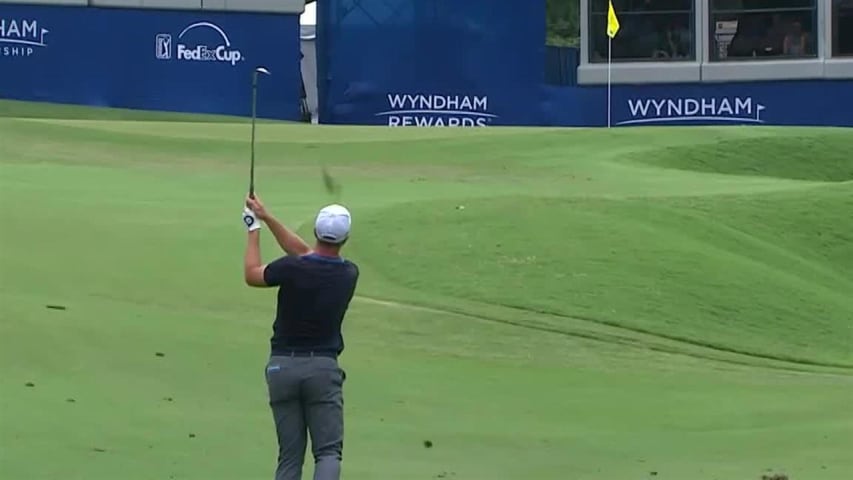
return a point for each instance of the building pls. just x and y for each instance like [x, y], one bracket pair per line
[687, 41]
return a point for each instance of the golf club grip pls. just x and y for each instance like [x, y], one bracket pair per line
[254, 118]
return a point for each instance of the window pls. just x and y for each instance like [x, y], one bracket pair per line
[649, 30]
[842, 28]
[763, 29]
[562, 21]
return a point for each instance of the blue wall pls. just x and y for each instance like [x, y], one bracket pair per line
[561, 65]
[151, 59]
[483, 62]
[432, 57]
[814, 103]
[382, 62]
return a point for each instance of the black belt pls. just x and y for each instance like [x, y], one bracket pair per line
[305, 353]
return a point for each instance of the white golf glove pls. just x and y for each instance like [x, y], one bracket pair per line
[250, 220]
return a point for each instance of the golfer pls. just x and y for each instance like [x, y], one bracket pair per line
[303, 377]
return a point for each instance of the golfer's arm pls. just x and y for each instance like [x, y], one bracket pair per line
[289, 241]
[253, 269]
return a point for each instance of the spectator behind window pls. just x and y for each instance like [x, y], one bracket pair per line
[749, 39]
[776, 35]
[795, 41]
[678, 38]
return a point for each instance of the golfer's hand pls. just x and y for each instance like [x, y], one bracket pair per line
[250, 220]
[255, 205]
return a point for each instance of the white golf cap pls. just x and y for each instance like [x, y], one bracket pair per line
[333, 224]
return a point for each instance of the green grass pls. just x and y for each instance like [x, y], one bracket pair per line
[606, 305]
[818, 156]
[710, 271]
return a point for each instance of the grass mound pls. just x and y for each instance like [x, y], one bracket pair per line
[824, 157]
[755, 274]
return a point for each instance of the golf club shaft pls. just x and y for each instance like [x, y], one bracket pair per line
[254, 115]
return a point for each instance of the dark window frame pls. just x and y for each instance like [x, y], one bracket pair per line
[835, 12]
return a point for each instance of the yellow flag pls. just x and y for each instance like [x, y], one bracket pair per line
[612, 21]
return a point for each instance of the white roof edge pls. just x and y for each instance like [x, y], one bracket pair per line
[309, 16]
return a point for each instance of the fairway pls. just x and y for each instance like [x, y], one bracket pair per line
[586, 304]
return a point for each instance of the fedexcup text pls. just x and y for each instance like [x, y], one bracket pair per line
[203, 53]
[201, 50]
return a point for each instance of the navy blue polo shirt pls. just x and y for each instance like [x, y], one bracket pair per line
[313, 296]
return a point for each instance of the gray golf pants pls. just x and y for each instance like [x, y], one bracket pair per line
[306, 397]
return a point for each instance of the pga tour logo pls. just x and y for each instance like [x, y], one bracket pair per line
[703, 109]
[21, 38]
[424, 110]
[221, 51]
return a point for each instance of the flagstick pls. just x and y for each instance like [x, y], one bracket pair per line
[609, 43]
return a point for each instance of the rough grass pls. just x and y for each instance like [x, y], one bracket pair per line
[760, 274]
[824, 157]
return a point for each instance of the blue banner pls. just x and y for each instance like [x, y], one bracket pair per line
[807, 103]
[430, 62]
[150, 59]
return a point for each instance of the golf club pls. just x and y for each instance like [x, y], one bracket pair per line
[332, 186]
[254, 116]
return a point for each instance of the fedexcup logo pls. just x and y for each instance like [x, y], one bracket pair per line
[21, 38]
[424, 110]
[222, 51]
[702, 109]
